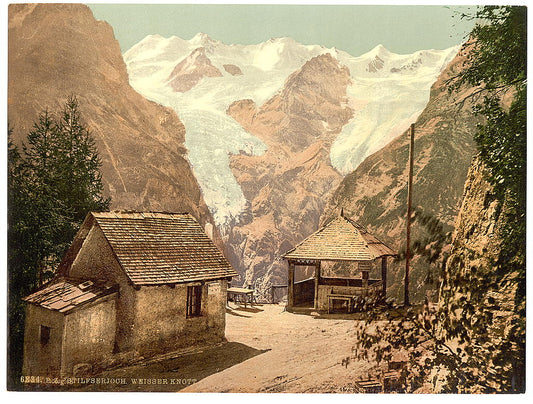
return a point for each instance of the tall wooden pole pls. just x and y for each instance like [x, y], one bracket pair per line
[409, 201]
[384, 276]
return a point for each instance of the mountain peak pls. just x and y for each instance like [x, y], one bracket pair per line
[201, 38]
[283, 39]
[191, 70]
[380, 50]
[149, 39]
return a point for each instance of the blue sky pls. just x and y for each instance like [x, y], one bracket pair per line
[352, 28]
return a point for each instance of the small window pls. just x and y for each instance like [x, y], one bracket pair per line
[45, 334]
[194, 301]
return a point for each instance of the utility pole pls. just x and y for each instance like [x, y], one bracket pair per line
[409, 201]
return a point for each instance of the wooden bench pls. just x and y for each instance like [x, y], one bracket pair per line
[349, 299]
[370, 386]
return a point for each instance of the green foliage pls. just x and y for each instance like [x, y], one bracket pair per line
[61, 155]
[473, 340]
[463, 345]
[496, 65]
[430, 244]
[53, 182]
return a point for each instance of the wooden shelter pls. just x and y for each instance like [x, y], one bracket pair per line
[341, 240]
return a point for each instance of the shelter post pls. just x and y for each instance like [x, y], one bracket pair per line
[317, 282]
[290, 287]
[384, 275]
[365, 276]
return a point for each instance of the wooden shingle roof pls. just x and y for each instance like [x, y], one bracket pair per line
[64, 295]
[162, 248]
[154, 248]
[342, 239]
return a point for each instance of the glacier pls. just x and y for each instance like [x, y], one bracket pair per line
[387, 93]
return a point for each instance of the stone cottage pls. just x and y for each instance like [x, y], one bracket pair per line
[131, 284]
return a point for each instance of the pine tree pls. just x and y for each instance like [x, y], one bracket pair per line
[52, 184]
[79, 182]
[33, 215]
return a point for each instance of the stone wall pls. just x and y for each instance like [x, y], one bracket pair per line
[216, 308]
[42, 359]
[161, 325]
[89, 335]
[95, 261]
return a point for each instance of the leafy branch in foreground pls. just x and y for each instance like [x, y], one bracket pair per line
[473, 339]
[463, 344]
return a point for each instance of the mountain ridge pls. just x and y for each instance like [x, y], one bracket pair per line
[59, 50]
[375, 194]
[384, 102]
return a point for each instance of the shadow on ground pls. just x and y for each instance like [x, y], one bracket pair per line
[234, 311]
[171, 374]
[249, 309]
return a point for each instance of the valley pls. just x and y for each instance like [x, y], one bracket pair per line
[271, 138]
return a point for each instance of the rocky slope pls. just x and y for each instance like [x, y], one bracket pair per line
[288, 185]
[58, 50]
[375, 193]
[191, 70]
[478, 235]
[477, 225]
[485, 271]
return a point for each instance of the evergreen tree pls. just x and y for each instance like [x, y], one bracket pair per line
[52, 184]
[32, 219]
[79, 183]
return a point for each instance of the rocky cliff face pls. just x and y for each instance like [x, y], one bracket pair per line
[477, 236]
[375, 194]
[286, 187]
[477, 224]
[58, 50]
[484, 272]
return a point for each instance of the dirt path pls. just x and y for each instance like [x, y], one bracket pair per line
[268, 350]
[303, 354]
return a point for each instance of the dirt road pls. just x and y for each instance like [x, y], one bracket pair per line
[268, 350]
[303, 353]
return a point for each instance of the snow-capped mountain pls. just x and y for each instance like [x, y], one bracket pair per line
[388, 93]
[201, 77]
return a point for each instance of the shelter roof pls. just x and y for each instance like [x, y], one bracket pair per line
[342, 239]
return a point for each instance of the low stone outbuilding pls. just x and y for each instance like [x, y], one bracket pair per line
[131, 284]
[69, 322]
